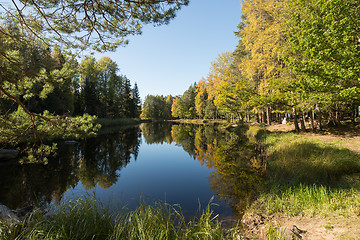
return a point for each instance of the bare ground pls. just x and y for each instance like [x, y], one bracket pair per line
[327, 228]
[314, 228]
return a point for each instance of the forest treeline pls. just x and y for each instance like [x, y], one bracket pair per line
[294, 57]
[61, 85]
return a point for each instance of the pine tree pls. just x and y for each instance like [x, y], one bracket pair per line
[127, 102]
[136, 101]
[88, 74]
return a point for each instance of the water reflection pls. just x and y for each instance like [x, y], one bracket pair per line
[91, 161]
[239, 167]
[155, 133]
[236, 171]
[100, 158]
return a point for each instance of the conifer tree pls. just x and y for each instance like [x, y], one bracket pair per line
[136, 101]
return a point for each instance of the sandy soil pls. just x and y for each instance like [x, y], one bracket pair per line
[329, 228]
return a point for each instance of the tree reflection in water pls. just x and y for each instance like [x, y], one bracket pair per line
[102, 157]
[158, 132]
[239, 172]
[91, 161]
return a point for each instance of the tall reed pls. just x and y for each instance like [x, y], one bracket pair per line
[88, 219]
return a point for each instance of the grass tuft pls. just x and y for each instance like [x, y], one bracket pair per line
[89, 219]
[309, 201]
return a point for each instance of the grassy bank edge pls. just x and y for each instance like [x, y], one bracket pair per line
[89, 219]
[299, 194]
[200, 121]
[112, 122]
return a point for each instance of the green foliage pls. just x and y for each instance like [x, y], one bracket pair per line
[157, 107]
[102, 92]
[275, 233]
[93, 161]
[184, 106]
[231, 90]
[34, 74]
[17, 129]
[328, 70]
[79, 219]
[38, 154]
[201, 99]
[102, 25]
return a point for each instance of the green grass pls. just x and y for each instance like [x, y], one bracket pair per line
[275, 233]
[80, 219]
[256, 132]
[308, 177]
[309, 201]
[88, 219]
[295, 159]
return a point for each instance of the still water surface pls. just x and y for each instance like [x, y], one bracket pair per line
[179, 164]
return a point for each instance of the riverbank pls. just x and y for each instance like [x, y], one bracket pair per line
[313, 183]
[112, 122]
[200, 121]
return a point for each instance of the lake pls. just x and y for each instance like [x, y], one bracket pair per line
[180, 164]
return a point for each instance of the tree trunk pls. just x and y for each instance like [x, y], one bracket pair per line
[268, 116]
[240, 118]
[319, 118]
[337, 115]
[279, 120]
[296, 120]
[302, 121]
[353, 116]
[312, 120]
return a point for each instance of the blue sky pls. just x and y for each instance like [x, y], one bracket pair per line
[167, 59]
